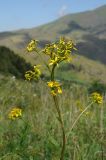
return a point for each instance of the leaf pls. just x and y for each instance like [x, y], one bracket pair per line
[53, 141]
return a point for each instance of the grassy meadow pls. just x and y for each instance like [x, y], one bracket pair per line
[37, 135]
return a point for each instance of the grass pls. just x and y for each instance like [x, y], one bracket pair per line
[37, 135]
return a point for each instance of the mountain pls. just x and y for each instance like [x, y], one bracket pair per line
[87, 29]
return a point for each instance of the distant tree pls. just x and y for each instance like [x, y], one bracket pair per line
[11, 63]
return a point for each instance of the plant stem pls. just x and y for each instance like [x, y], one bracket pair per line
[59, 118]
[73, 125]
[62, 127]
[52, 73]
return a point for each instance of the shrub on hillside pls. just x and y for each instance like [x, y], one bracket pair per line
[97, 86]
[10, 63]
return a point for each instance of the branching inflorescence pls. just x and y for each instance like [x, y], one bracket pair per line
[56, 52]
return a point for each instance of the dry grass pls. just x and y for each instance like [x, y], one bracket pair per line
[38, 135]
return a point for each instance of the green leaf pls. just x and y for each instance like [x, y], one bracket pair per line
[53, 141]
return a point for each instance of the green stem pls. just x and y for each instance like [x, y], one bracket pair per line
[62, 128]
[73, 125]
[52, 73]
[59, 118]
[57, 107]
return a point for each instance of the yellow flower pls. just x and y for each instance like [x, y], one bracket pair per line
[28, 75]
[53, 84]
[15, 113]
[59, 51]
[53, 92]
[32, 46]
[33, 74]
[55, 87]
[37, 70]
[54, 61]
[50, 84]
[96, 98]
[59, 90]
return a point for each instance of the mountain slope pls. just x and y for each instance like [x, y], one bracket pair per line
[90, 22]
[88, 29]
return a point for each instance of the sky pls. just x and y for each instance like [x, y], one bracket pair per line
[19, 14]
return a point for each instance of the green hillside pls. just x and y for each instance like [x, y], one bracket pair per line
[12, 64]
[82, 70]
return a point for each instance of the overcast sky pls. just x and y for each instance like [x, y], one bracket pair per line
[17, 14]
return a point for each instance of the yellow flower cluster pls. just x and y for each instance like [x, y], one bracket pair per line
[55, 87]
[33, 74]
[32, 46]
[15, 113]
[59, 51]
[96, 98]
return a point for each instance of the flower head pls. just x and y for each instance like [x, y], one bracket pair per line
[55, 87]
[15, 113]
[32, 46]
[54, 61]
[33, 74]
[96, 98]
[59, 51]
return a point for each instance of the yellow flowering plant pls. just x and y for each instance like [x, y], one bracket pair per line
[96, 98]
[15, 113]
[57, 52]
[33, 74]
[32, 46]
[55, 87]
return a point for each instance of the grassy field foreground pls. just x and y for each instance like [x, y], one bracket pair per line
[37, 135]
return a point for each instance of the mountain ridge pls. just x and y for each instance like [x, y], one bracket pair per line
[77, 26]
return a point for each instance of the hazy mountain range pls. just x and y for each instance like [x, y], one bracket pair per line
[87, 29]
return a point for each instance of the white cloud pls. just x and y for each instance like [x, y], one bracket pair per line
[62, 11]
